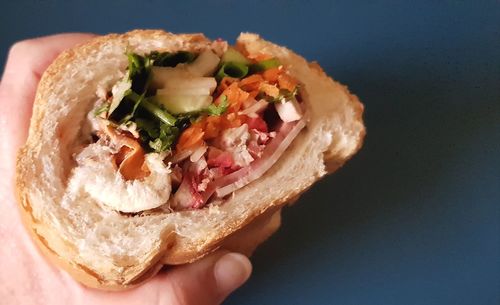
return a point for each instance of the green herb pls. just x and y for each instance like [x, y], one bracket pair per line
[136, 83]
[160, 137]
[158, 145]
[166, 139]
[151, 128]
[139, 70]
[158, 112]
[103, 108]
[264, 65]
[284, 95]
[168, 135]
[220, 109]
[135, 64]
[232, 69]
[187, 119]
[167, 59]
[287, 94]
[158, 129]
[158, 57]
[136, 99]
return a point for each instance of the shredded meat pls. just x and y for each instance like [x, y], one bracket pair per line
[130, 157]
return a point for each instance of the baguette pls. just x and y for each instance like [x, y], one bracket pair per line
[110, 250]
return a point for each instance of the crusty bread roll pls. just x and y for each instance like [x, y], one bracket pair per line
[106, 249]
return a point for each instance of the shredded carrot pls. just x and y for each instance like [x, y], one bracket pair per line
[271, 75]
[213, 125]
[253, 94]
[234, 120]
[191, 137]
[285, 81]
[235, 97]
[240, 94]
[251, 83]
[208, 128]
[225, 83]
[270, 90]
[121, 155]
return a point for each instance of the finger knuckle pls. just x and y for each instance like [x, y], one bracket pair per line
[23, 47]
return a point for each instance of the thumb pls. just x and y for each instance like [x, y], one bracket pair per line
[208, 281]
[205, 282]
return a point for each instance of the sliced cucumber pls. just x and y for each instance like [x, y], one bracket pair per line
[232, 55]
[179, 103]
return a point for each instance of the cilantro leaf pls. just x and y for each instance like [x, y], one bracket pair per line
[167, 59]
[168, 135]
[151, 129]
[139, 70]
[158, 129]
[139, 78]
[160, 137]
[158, 145]
[135, 64]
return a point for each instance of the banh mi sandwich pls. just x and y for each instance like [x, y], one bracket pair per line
[150, 148]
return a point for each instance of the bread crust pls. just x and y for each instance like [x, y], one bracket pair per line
[168, 253]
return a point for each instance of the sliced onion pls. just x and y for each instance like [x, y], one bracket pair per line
[182, 83]
[198, 153]
[205, 64]
[277, 146]
[289, 111]
[273, 151]
[180, 156]
[162, 75]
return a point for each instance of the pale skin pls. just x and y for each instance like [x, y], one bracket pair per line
[26, 277]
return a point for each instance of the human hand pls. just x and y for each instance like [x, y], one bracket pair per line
[26, 277]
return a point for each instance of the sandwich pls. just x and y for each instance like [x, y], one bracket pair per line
[150, 148]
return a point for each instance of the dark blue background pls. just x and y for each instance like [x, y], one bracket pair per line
[414, 217]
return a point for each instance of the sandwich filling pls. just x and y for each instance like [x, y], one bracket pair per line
[182, 129]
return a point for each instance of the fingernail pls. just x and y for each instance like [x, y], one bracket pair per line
[231, 271]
